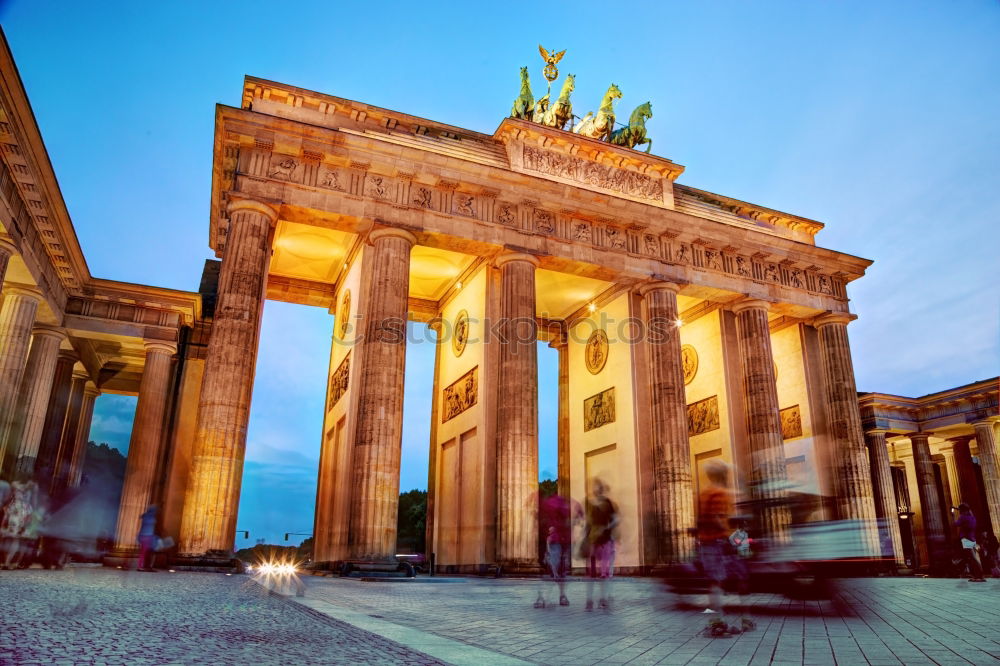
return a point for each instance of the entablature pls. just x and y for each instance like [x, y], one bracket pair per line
[343, 178]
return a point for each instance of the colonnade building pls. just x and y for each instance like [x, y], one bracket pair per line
[690, 327]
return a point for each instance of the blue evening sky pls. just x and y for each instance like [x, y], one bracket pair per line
[876, 118]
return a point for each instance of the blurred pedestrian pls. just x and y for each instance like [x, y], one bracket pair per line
[966, 524]
[989, 546]
[598, 547]
[147, 539]
[557, 516]
[15, 520]
[715, 507]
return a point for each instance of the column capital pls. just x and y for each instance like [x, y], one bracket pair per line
[844, 318]
[559, 341]
[90, 390]
[877, 431]
[435, 324]
[69, 355]
[984, 421]
[391, 232]
[159, 347]
[25, 290]
[264, 209]
[81, 374]
[49, 331]
[750, 304]
[923, 434]
[7, 244]
[659, 284]
[961, 438]
[516, 256]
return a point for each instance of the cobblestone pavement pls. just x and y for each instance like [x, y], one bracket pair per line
[871, 621]
[106, 616]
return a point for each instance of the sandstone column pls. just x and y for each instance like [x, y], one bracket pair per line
[90, 393]
[855, 499]
[965, 472]
[517, 415]
[213, 492]
[7, 250]
[25, 431]
[884, 491]
[562, 461]
[990, 466]
[379, 430]
[55, 417]
[935, 531]
[768, 479]
[66, 452]
[144, 446]
[672, 479]
[17, 316]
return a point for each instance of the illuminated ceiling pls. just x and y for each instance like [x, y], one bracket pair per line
[559, 295]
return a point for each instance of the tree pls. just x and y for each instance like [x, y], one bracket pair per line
[411, 523]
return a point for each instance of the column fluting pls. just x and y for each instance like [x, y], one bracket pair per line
[379, 426]
[66, 451]
[989, 464]
[55, 418]
[855, 500]
[673, 490]
[930, 506]
[884, 492]
[768, 479]
[212, 496]
[7, 250]
[90, 394]
[517, 414]
[17, 317]
[144, 446]
[25, 430]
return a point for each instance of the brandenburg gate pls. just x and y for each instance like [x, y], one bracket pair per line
[690, 327]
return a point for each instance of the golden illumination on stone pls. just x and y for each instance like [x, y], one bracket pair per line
[597, 351]
[689, 359]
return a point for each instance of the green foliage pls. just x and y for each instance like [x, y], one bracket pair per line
[411, 523]
[547, 488]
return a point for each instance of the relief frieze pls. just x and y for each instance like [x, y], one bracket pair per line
[460, 395]
[599, 410]
[622, 181]
[506, 213]
[464, 204]
[703, 416]
[338, 382]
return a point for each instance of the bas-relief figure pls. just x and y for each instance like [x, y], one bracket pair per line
[627, 182]
[422, 197]
[282, 168]
[544, 221]
[689, 362]
[713, 260]
[461, 395]
[703, 416]
[461, 334]
[465, 204]
[330, 179]
[506, 214]
[339, 382]
[596, 351]
[791, 422]
[742, 269]
[599, 410]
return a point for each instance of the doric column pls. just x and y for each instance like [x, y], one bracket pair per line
[930, 506]
[90, 393]
[767, 479]
[854, 495]
[25, 431]
[965, 475]
[66, 451]
[562, 432]
[17, 316]
[144, 446]
[55, 417]
[990, 466]
[672, 479]
[213, 492]
[7, 250]
[884, 491]
[379, 430]
[517, 414]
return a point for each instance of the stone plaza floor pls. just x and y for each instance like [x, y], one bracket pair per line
[85, 615]
[873, 621]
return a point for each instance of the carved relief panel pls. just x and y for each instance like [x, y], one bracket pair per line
[596, 351]
[791, 422]
[338, 382]
[689, 362]
[460, 395]
[599, 410]
[703, 416]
